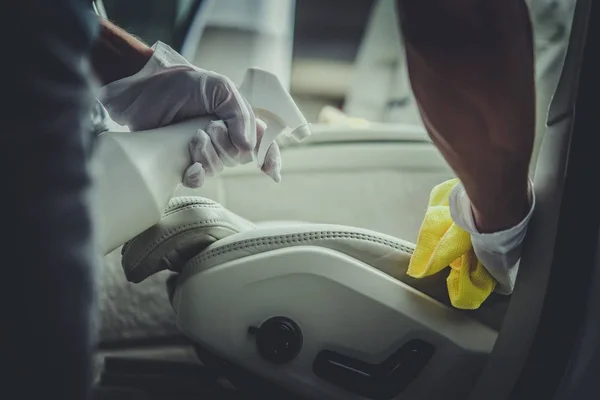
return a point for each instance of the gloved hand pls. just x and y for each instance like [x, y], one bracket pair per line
[170, 89]
[213, 149]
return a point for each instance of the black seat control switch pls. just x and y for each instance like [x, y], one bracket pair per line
[278, 339]
[375, 381]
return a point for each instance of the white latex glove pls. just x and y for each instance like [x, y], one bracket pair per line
[212, 150]
[170, 89]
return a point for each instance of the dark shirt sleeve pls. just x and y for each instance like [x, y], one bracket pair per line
[47, 246]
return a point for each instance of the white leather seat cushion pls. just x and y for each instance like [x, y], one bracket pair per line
[197, 234]
[383, 252]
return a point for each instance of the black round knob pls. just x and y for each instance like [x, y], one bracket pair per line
[278, 339]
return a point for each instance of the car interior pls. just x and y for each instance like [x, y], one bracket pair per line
[322, 256]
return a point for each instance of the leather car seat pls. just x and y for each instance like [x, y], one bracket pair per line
[191, 225]
[199, 240]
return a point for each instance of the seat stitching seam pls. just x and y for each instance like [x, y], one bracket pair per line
[298, 238]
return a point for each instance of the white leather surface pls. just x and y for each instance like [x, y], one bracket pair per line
[141, 310]
[167, 247]
[381, 73]
[380, 251]
[339, 303]
[370, 133]
[382, 186]
[187, 227]
[240, 34]
[191, 224]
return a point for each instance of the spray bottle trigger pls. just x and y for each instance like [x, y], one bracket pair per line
[275, 127]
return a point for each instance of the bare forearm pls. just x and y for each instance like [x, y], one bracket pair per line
[116, 54]
[471, 69]
[499, 202]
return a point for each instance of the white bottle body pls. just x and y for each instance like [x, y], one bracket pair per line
[136, 173]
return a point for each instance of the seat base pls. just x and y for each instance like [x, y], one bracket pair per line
[339, 304]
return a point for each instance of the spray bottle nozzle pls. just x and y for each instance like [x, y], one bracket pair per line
[273, 104]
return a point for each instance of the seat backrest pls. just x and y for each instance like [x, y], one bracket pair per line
[520, 323]
[380, 89]
[239, 34]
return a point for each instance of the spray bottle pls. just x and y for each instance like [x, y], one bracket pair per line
[138, 172]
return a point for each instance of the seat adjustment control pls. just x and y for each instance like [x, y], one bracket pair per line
[375, 381]
[278, 339]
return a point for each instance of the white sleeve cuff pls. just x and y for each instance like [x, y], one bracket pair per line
[498, 252]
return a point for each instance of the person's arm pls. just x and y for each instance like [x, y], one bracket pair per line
[502, 201]
[117, 54]
[471, 68]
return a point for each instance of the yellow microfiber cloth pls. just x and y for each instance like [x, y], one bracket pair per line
[440, 244]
